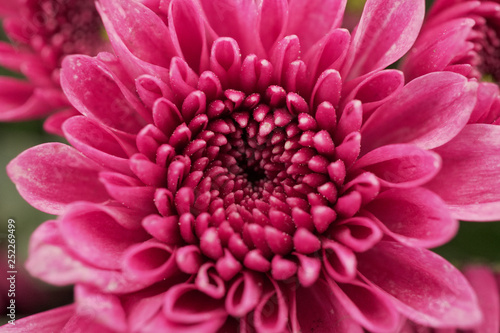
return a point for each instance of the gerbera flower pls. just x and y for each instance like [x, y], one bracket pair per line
[244, 166]
[462, 36]
[43, 32]
[485, 283]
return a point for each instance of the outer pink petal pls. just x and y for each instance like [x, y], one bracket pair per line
[310, 20]
[51, 261]
[95, 234]
[436, 48]
[141, 30]
[316, 309]
[387, 29]
[469, 181]
[424, 287]
[428, 112]
[416, 217]
[44, 322]
[400, 165]
[52, 175]
[88, 85]
[484, 283]
[273, 16]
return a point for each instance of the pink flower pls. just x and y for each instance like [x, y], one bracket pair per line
[486, 284]
[242, 167]
[462, 36]
[42, 33]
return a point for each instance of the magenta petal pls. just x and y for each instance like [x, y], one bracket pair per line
[436, 48]
[209, 282]
[400, 165]
[428, 112]
[129, 191]
[188, 33]
[424, 287]
[366, 305]
[185, 304]
[327, 16]
[53, 123]
[316, 309]
[273, 15]
[469, 182]
[52, 175]
[244, 294]
[485, 285]
[143, 32]
[88, 85]
[100, 308]
[89, 224]
[387, 29]
[358, 233]
[415, 217]
[149, 262]
[339, 261]
[44, 322]
[271, 314]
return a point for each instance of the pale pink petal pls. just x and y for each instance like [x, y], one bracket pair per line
[436, 48]
[483, 281]
[424, 287]
[468, 181]
[88, 84]
[45, 177]
[415, 216]
[428, 112]
[386, 31]
[44, 322]
[95, 235]
[311, 20]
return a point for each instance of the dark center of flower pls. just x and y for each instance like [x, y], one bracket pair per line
[487, 45]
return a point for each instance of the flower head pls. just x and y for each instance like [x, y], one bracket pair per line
[43, 33]
[262, 172]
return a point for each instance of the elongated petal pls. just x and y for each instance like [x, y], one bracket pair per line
[428, 112]
[386, 31]
[468, 181]
[424, 287]
[416, 217]
[400, 165]
[45, 177]
[327, 16]
[44, 322]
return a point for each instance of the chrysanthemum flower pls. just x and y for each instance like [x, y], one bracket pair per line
[462, 36]
[43, 32]
[486, 284]
[250, 166]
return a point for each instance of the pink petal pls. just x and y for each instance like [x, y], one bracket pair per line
[242, 25]
[142, 31]
[436, 48]
[209, 282]
[244, 294]
[149, 262]
[316, 309]
[483, 281]
[271, 314]
[104, 238]
[468, 181]
[273, 16]
[53, 124]
[44, 322]
[424, 287]
[366, 305]
[415, 217]
[311, 20]
[357, 233]
[52, 175]
[339, 261]
[428, 112]
[400, 165]
[185, 304]
[188, 33]
[101, 308]
[88, 85]
[387, 29]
